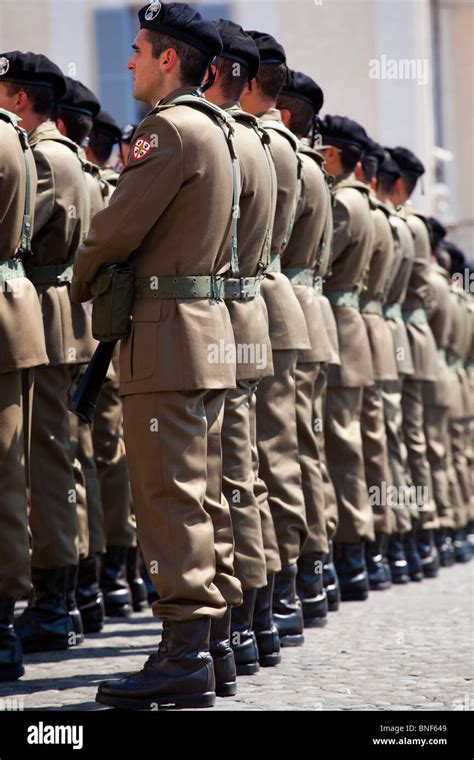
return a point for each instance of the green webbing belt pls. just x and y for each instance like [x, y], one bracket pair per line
[470, 364]
[343, 298]
[11, 270]
[371, 307]
[415, 317]
[25, 244]
[241, 288]
[275, 263]
[223, 117]
[299, 276]
[201, 286]
[53, 274]
[318, 286]
[392, 311]
[458, 364]
[441, 353]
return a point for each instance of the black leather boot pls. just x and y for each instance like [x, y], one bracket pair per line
[11, 655]
[287, 610]
[462, 547]
[135, 581]
[352, 572]
[46, 623]
[445, 547]
[397, 560]
[223, 656]
[242, 639]
[266, 632]
[71, 603]
[331, 581]
[310, 589]
[470, 533]
[113, 582]
[428, 553]
[412, 557]
[377, 569]
[180, 674]
[90, 598]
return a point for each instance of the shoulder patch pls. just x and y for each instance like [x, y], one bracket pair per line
[141, 149]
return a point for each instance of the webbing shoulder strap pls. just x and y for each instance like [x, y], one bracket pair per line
[226, 123]
[25, 241]
[278, 126]
[319, 160]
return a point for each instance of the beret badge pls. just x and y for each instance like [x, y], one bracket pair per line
[153, 10]
[4, 66]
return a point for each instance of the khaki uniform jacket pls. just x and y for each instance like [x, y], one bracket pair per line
[250, 318]
[403, 258]
[420, 296]
[62, 217]
[457, 351]
[311, 235]
[440, 319]
[381, 262]
[170, 215]
[352, 248]
[21, 327]
[286, 318]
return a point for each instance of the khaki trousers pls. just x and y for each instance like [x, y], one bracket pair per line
[53, 515]
[237, 487]
[404, 509]
[166, 439]
[112, 468]
[269, 536]
[307, 388]
[330, 499]
[346, 464]
[15, 419]
[436, 419]
[375, 449]
[459, 447]
[417, 458]
[279, 457]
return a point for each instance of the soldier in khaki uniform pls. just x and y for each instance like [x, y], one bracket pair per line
[276, 398]
[352, 247]
[402, 506]
[303, 262]
[179, 173]
[423, 347]
[29, 87]
[256, 552]
[20, 315]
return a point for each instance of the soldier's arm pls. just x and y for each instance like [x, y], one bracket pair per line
[45, 195]
[341, 228]
[145, 188]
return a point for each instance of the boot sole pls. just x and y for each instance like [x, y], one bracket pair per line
[11, 672]
[93, 628]
[294, 640]
[177, 701]
[45, 646]
[118, 612]
[380, 586]
[333, 606]
[354, 596]
[315, 622]
[226, 689]
[247, 668]
[270, 660]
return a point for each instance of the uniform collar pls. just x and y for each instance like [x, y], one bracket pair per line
[46, 127]
[175, 94]
[272, 114]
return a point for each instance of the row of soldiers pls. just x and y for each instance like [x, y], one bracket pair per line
[295, 394]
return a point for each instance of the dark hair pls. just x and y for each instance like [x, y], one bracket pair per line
[385, 183]
[194, 64]
[78, 125]
[369, 167]
[42, 99]
[302, 114]
[350, 155]
[102, 145]
[410, 182]
[232, 84]
[270, 79]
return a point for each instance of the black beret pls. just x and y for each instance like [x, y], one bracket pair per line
[343, 131]
[270, 50]
[302, 87]
[375, 150]
[438, 231]
[388, 168]
[407, 162]
[127, 133]
[238, 46]
[33, 69]
[79, 98]
[181, 22]
[105, 124]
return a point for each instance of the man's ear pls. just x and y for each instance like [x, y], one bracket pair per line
[286, 117]
[61, 126]
[359, 172]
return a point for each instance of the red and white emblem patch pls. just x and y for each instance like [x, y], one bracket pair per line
[141, 149]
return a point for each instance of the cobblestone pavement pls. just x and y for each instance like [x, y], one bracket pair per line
[408, 648]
